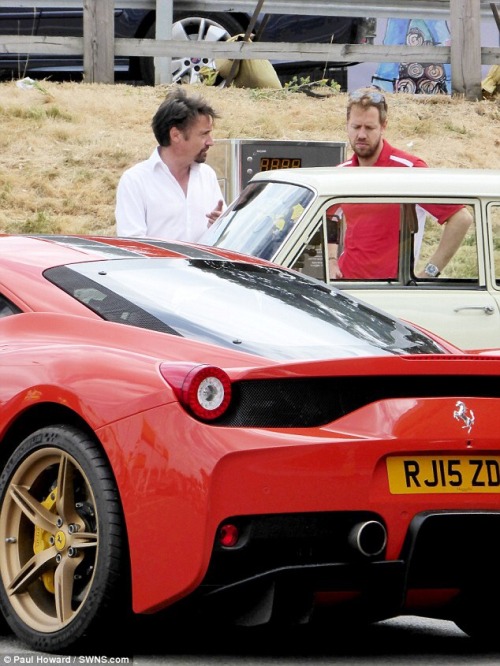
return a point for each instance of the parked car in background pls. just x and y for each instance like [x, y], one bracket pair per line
[189, 26]
[286, 216]
[185, 428]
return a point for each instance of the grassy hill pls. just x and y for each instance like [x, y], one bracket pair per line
[63, 146]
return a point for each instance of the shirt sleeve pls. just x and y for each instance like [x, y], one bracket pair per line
[442, 212]
[130, 211]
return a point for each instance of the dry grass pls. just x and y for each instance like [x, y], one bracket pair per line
[63, 151]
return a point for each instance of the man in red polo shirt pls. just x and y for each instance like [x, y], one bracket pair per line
[371, 240]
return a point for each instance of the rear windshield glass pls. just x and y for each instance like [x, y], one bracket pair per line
[263, 310]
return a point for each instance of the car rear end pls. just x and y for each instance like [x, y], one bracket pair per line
[366, 488]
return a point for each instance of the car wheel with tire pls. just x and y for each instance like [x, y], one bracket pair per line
[62, 541]
[186, 67]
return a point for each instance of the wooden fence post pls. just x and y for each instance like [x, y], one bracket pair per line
[98, 41]
[466, 48]
[164, 20]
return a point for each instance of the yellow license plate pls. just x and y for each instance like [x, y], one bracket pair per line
[443, 474]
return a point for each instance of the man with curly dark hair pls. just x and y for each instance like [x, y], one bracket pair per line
[173, 194]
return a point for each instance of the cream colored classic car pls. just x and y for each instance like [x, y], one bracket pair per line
[286, 216]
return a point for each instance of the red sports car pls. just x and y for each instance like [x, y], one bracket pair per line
[184, 427]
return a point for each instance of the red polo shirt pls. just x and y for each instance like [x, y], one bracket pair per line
[371, 241]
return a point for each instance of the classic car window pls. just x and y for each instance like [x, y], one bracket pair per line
[311, 260]
[261, 228]
[377, 259]
[411, 235]
[463, 265]
[494, 217]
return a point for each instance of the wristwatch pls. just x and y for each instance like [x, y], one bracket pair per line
[432, 271]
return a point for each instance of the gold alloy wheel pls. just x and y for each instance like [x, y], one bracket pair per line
[48, 539]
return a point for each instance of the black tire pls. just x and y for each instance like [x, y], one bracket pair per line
[477, 619]
[200, 27]
[62, 543]
[473, 610]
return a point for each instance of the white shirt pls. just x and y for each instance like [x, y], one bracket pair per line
[150, 201]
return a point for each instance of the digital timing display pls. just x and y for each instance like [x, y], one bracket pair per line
[271, 163]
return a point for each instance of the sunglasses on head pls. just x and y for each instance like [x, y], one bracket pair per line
[373, 95]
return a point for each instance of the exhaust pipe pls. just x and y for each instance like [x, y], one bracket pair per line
[368, 538]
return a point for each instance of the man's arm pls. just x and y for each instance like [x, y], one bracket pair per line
[454, 230]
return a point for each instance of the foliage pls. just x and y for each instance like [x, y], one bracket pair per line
[321, 88]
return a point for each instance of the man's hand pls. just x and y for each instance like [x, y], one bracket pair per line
[215, 213]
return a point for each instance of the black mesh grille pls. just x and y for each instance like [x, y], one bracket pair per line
[283, 403]
[303, 403]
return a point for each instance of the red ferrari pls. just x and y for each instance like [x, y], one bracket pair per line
[184, 427]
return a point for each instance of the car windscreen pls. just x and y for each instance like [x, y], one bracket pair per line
[260, 219]
[257, 309]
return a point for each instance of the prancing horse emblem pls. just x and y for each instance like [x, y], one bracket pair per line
[462, 413]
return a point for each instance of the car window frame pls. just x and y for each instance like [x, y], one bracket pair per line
[406, 278]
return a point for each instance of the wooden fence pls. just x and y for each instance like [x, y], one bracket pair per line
[99, 47]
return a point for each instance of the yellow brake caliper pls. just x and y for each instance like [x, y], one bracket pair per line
[42, 541]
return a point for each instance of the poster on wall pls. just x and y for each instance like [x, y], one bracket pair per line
[415, 77]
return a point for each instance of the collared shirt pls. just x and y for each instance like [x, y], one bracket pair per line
[389, 157]
[150, 201]
[371, 242]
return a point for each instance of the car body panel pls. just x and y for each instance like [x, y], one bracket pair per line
[283, 477]
[398, 431]
[463, 310]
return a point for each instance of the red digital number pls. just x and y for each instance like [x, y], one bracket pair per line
[271, 163]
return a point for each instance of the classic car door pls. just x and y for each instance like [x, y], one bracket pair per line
[461, 305]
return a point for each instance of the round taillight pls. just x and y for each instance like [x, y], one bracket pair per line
[228, 535]
[206, 391]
